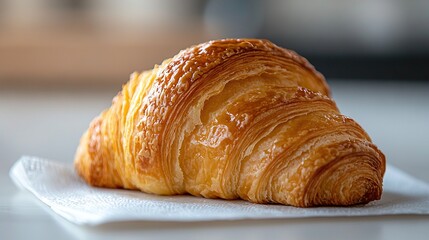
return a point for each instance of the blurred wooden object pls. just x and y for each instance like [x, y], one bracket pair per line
[90, 43]
[82, 55]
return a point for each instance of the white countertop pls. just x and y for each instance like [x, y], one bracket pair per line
[49, 124]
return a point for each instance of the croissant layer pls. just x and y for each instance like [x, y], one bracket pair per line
[233, 118]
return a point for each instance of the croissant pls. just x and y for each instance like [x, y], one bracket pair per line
[232, 119]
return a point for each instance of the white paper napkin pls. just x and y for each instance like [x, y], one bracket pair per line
[58, 186]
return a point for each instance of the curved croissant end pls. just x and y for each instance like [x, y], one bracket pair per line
[234, 118]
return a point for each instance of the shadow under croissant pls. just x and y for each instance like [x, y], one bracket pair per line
[392, 197]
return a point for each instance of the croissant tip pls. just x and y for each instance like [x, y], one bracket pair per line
[81, 166]
[83, 162]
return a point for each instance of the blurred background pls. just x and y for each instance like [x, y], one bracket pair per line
[99, 42]
[62, 61]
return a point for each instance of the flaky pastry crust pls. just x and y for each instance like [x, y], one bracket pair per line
[232, 119]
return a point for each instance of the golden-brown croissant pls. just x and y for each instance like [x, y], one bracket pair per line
[234, 118]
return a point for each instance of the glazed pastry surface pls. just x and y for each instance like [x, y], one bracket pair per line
[232, 119]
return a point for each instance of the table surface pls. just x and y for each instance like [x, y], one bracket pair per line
[49, 123]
